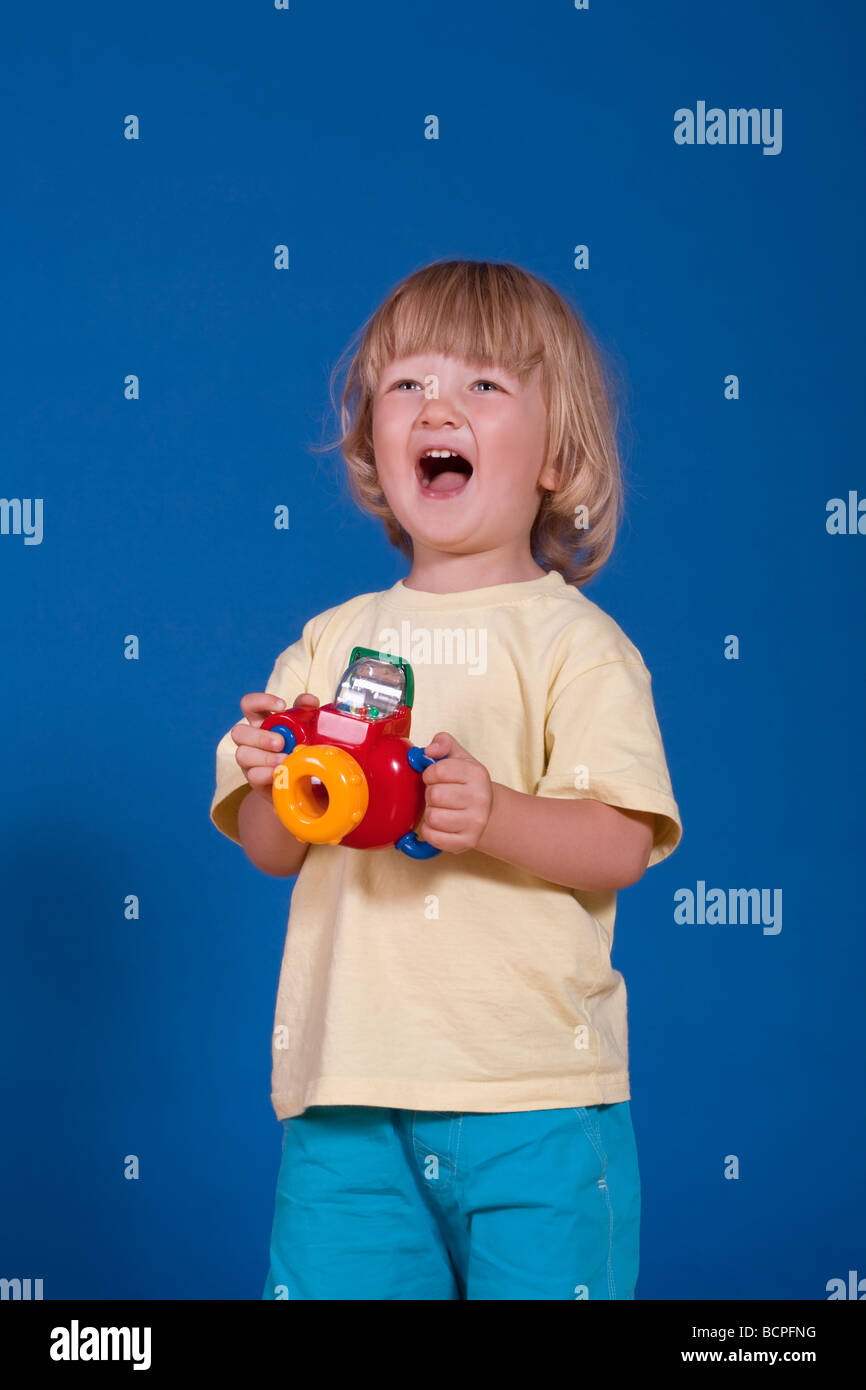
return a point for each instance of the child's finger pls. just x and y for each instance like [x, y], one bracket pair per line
[259, 704]
[254, 755]
[254, 736]
[448, 795]
[451, 769]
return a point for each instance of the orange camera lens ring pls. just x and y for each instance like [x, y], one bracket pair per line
[343, 779]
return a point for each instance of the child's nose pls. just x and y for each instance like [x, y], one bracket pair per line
[440, 410]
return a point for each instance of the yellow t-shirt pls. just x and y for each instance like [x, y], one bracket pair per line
[462, 982]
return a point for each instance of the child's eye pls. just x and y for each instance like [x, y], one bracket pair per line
[398, 385]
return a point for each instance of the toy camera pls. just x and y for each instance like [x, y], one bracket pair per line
[351, 775]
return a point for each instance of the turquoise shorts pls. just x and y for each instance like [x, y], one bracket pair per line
[375, 1203]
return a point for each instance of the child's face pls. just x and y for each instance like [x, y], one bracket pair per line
[484, 414]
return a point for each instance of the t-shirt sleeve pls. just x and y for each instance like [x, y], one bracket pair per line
[603, 742]
[288, 679]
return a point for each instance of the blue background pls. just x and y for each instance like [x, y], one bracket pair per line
[155, 257]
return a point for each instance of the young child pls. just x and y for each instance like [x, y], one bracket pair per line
[450, 1055]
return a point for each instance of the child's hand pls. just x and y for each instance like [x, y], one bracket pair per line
[259, 749]
[459, 797]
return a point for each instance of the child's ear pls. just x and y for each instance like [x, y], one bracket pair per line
[549, 477]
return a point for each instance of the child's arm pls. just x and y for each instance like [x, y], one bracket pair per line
[252, 819]
[266, 841]
[581, 844]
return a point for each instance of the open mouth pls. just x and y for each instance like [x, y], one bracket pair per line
[444, 475]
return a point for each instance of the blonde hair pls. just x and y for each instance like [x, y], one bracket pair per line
[497, 314]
